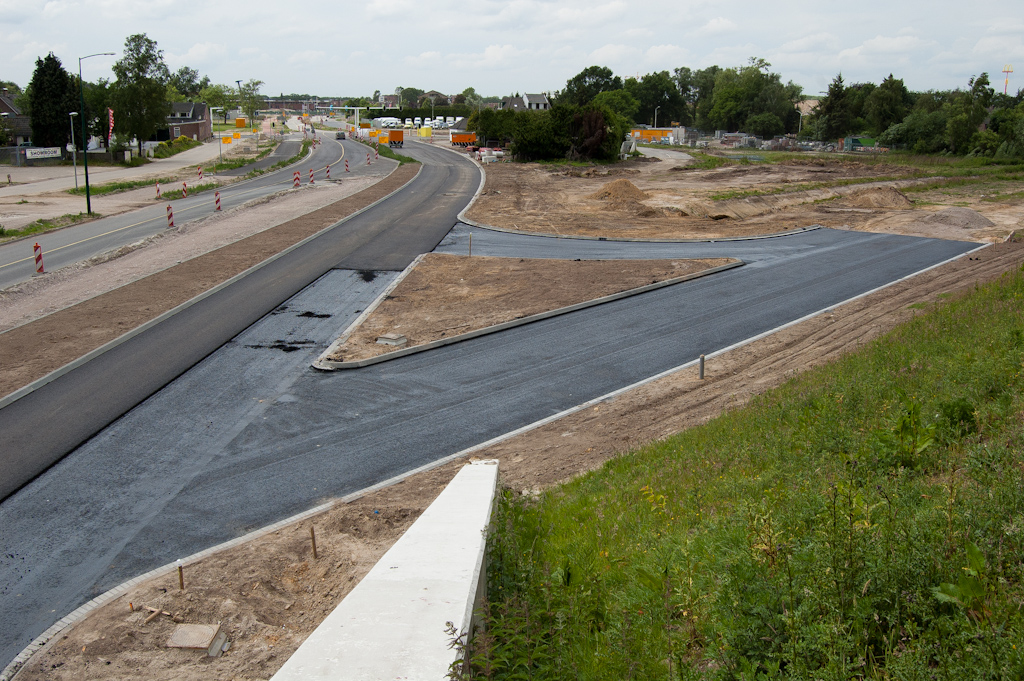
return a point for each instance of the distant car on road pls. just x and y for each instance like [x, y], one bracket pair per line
[340, 135]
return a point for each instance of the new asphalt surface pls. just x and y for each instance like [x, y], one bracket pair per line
[251, 434]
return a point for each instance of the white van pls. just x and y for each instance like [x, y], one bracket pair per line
[417, 122]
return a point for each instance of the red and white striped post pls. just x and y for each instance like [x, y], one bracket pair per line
[328, 172]
[200, 172]
[375, 156]
[367, 158]
[184, 190]
[170, 217]
[216, 200]
[158, 191]
[311, 176]
[346, 165]
[38, 251]
[295, 179]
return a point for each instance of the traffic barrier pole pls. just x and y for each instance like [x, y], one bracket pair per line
[158, 191]
[346, 165]
[328, 172]
[375, 156]
[170, 217]
[295, 179]
[216, 200]
[184, 190]
[38, 251]
[311, 176]
[367, 158]
[200, 172]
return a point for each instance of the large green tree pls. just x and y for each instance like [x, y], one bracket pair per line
[251, 99]
[754, 99]
[834, 119]
[140, 92]
[219, 96]
[587, 84]
[188, 83]
[966, 113]
[656, 91]
[51, 99]
[619, 101]
[702, 96]
[887, 104]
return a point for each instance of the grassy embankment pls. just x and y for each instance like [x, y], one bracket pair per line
[996, 175]
[386, 151]
[864, 520]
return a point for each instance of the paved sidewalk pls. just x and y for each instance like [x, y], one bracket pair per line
[32, 181]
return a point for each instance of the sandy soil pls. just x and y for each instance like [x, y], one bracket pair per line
[474, 293]
[270, 593]
[654, 199]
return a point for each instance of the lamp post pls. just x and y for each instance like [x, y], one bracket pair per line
[220, 142]
[74, 149]
[656, 116]
[85, 139]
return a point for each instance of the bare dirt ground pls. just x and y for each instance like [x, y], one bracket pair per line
[653, 199]
[270, 593]
[474, 293]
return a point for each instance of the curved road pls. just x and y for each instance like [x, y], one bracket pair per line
[251, 434]
[73, 244]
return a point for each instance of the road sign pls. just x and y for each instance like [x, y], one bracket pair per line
[43, 152]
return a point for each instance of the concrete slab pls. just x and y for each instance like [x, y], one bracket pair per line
[392, 625]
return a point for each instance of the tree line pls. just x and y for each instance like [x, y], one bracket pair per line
[140, 96]
[754, 99]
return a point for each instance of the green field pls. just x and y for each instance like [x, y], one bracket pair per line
[864, 520]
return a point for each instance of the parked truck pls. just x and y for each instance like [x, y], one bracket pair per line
[461, 139]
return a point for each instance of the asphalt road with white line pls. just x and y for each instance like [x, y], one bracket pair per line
[251, 434]
[83, 241]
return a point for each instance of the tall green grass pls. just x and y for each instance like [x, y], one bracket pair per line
[864, 520]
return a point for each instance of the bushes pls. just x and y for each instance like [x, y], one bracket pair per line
[565, 131]
[175, 146]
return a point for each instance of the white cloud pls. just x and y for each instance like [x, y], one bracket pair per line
[716, 26]
[198, 54]
[885, 46]
[612, 54]
[306, 57]
[666, 56]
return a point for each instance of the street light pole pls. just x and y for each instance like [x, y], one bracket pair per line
[74, 149]
[85, 139]
[656, 116]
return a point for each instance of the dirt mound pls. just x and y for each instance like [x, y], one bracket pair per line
[879, 197]
[620, 190]
[964, 218]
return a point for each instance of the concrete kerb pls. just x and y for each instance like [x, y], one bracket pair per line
[57, 373]
[392, 624]
[324, 364]
[84, 610]
[350, 329]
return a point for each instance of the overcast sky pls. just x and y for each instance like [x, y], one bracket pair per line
[500, 47]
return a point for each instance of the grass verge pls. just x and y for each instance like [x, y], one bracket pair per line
[45, 225]
[387, 152]
[864, 520]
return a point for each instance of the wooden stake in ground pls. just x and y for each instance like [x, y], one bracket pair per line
[312, 538]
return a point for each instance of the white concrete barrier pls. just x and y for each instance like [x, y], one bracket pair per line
[392, 624]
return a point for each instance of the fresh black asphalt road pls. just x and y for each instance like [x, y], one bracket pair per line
[251, 434]
[73, 244]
